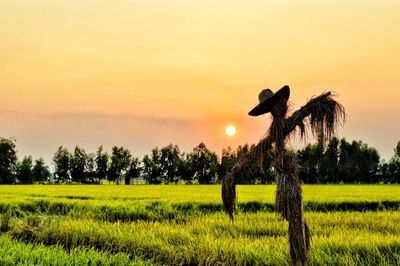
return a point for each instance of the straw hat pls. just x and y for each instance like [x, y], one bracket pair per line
[267, 99]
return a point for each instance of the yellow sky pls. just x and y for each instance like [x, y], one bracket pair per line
[147, 73]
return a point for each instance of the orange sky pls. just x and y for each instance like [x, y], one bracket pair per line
[148, 73]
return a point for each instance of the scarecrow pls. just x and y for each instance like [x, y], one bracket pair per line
[322, 114]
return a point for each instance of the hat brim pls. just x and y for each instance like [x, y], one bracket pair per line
[266, 106]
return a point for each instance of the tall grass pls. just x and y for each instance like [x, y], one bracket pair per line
[359, 238]
[199, 193]
[126, 211]
[13, 252]
[122, 225]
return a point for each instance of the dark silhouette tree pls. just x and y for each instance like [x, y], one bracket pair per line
[78, 166]
[101, 164]
[392, 170]
[358, 163]
[82, 166]
[8, 161]
[324, 114]
[62, 162]
[24, 170]
[120, 159]
[309, 160]
[329, 170]
[152, 169]
[90, 169]
[164, 165]
[185, 168]
[133, 170]
[394, 165]
[341, 161]
[368, 161]
[169, 161]
[40, 171]
[346, 167]
[204, 164]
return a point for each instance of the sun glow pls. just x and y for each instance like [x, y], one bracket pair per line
[230, 131]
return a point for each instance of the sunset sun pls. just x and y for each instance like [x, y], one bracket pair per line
[230, 131]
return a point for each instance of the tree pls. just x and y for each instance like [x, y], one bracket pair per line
[78, 166]
[345, 162]
[185, 170]
[40, 171]
[163, 165]
[203, 164]
[151, 169]
[169, 162]
[341, 162]
[90, 172]
[133, 170]
[8, 161]
[120, 159]
[62, 161]
[324, 115]
[391, 170]
[83, 166]
[329, 169]
[358, 163]
[368, 161]
[310, 163]
[101, 164]
[24, 170]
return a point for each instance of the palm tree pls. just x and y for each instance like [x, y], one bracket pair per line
[322, 114]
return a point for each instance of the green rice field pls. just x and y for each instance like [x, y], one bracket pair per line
[185, 225]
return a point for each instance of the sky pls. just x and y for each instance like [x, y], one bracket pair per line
[148, 73]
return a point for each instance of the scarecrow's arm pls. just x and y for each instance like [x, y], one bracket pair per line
[245, 164]
[325, 115]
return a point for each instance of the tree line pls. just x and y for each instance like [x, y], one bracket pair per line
[344, 162]
[337, 162]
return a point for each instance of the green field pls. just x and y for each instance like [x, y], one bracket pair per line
[182, 224]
